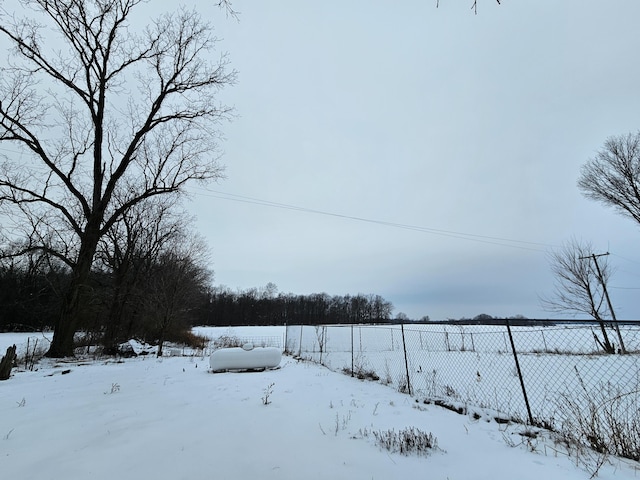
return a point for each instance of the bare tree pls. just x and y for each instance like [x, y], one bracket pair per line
[127, 253]
[178, 280]
[579, 288]
[101, 117]
[612, 177]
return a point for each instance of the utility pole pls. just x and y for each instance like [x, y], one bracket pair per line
[606, 296]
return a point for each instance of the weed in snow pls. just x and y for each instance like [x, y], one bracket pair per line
[597, 423]
[341, 424]
[406, 442]
[267, 392]
[114, 388]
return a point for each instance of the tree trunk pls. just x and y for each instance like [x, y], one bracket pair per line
[69, 319]
[160, 344]
[7, 363]
[605, 344]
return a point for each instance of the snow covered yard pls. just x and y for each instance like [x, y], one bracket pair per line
[172, 419]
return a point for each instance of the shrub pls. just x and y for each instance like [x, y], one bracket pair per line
[227, 341]
[604, 419]
[361, 373]
[406, 442]
[188, 338]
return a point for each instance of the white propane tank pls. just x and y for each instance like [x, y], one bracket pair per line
[245, 358]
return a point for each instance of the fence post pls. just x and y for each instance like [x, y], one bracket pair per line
[524, 390]
[300, 346]
[406, 364]
[320, 337]
[285, 338]
[352, 349]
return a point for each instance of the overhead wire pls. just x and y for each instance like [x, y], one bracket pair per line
[506, 242]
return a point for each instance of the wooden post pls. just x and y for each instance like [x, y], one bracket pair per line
[7, 363]
[606, 295]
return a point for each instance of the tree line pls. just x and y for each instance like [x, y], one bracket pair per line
[265, 306]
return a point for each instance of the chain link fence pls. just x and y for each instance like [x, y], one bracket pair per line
[556, 376]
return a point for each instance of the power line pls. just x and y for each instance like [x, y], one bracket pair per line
[506, 242]
[627, 259]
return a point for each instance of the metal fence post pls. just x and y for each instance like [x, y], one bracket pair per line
[300, 346]
[406, 363]
[352, 349]
[524, 390]
[285, 338]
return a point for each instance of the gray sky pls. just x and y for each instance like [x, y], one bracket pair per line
[471, 127]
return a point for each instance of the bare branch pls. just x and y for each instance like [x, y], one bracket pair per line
[612, 177]
[577, 288]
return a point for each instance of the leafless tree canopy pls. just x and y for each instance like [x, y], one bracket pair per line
[96, 116]
[175, 283]
[577, 289]
[612, 177]
[580, 286]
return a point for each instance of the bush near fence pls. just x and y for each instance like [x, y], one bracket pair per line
[554, 376]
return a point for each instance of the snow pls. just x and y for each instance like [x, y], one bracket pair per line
[41, 341]
[171, 418]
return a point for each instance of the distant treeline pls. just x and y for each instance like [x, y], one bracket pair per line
[265, 307]
[513, 321]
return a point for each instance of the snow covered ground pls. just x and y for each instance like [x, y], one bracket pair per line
[171, 418]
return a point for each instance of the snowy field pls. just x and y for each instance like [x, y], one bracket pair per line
[172, 419]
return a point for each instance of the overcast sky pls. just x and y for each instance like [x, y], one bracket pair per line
[362, 118]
